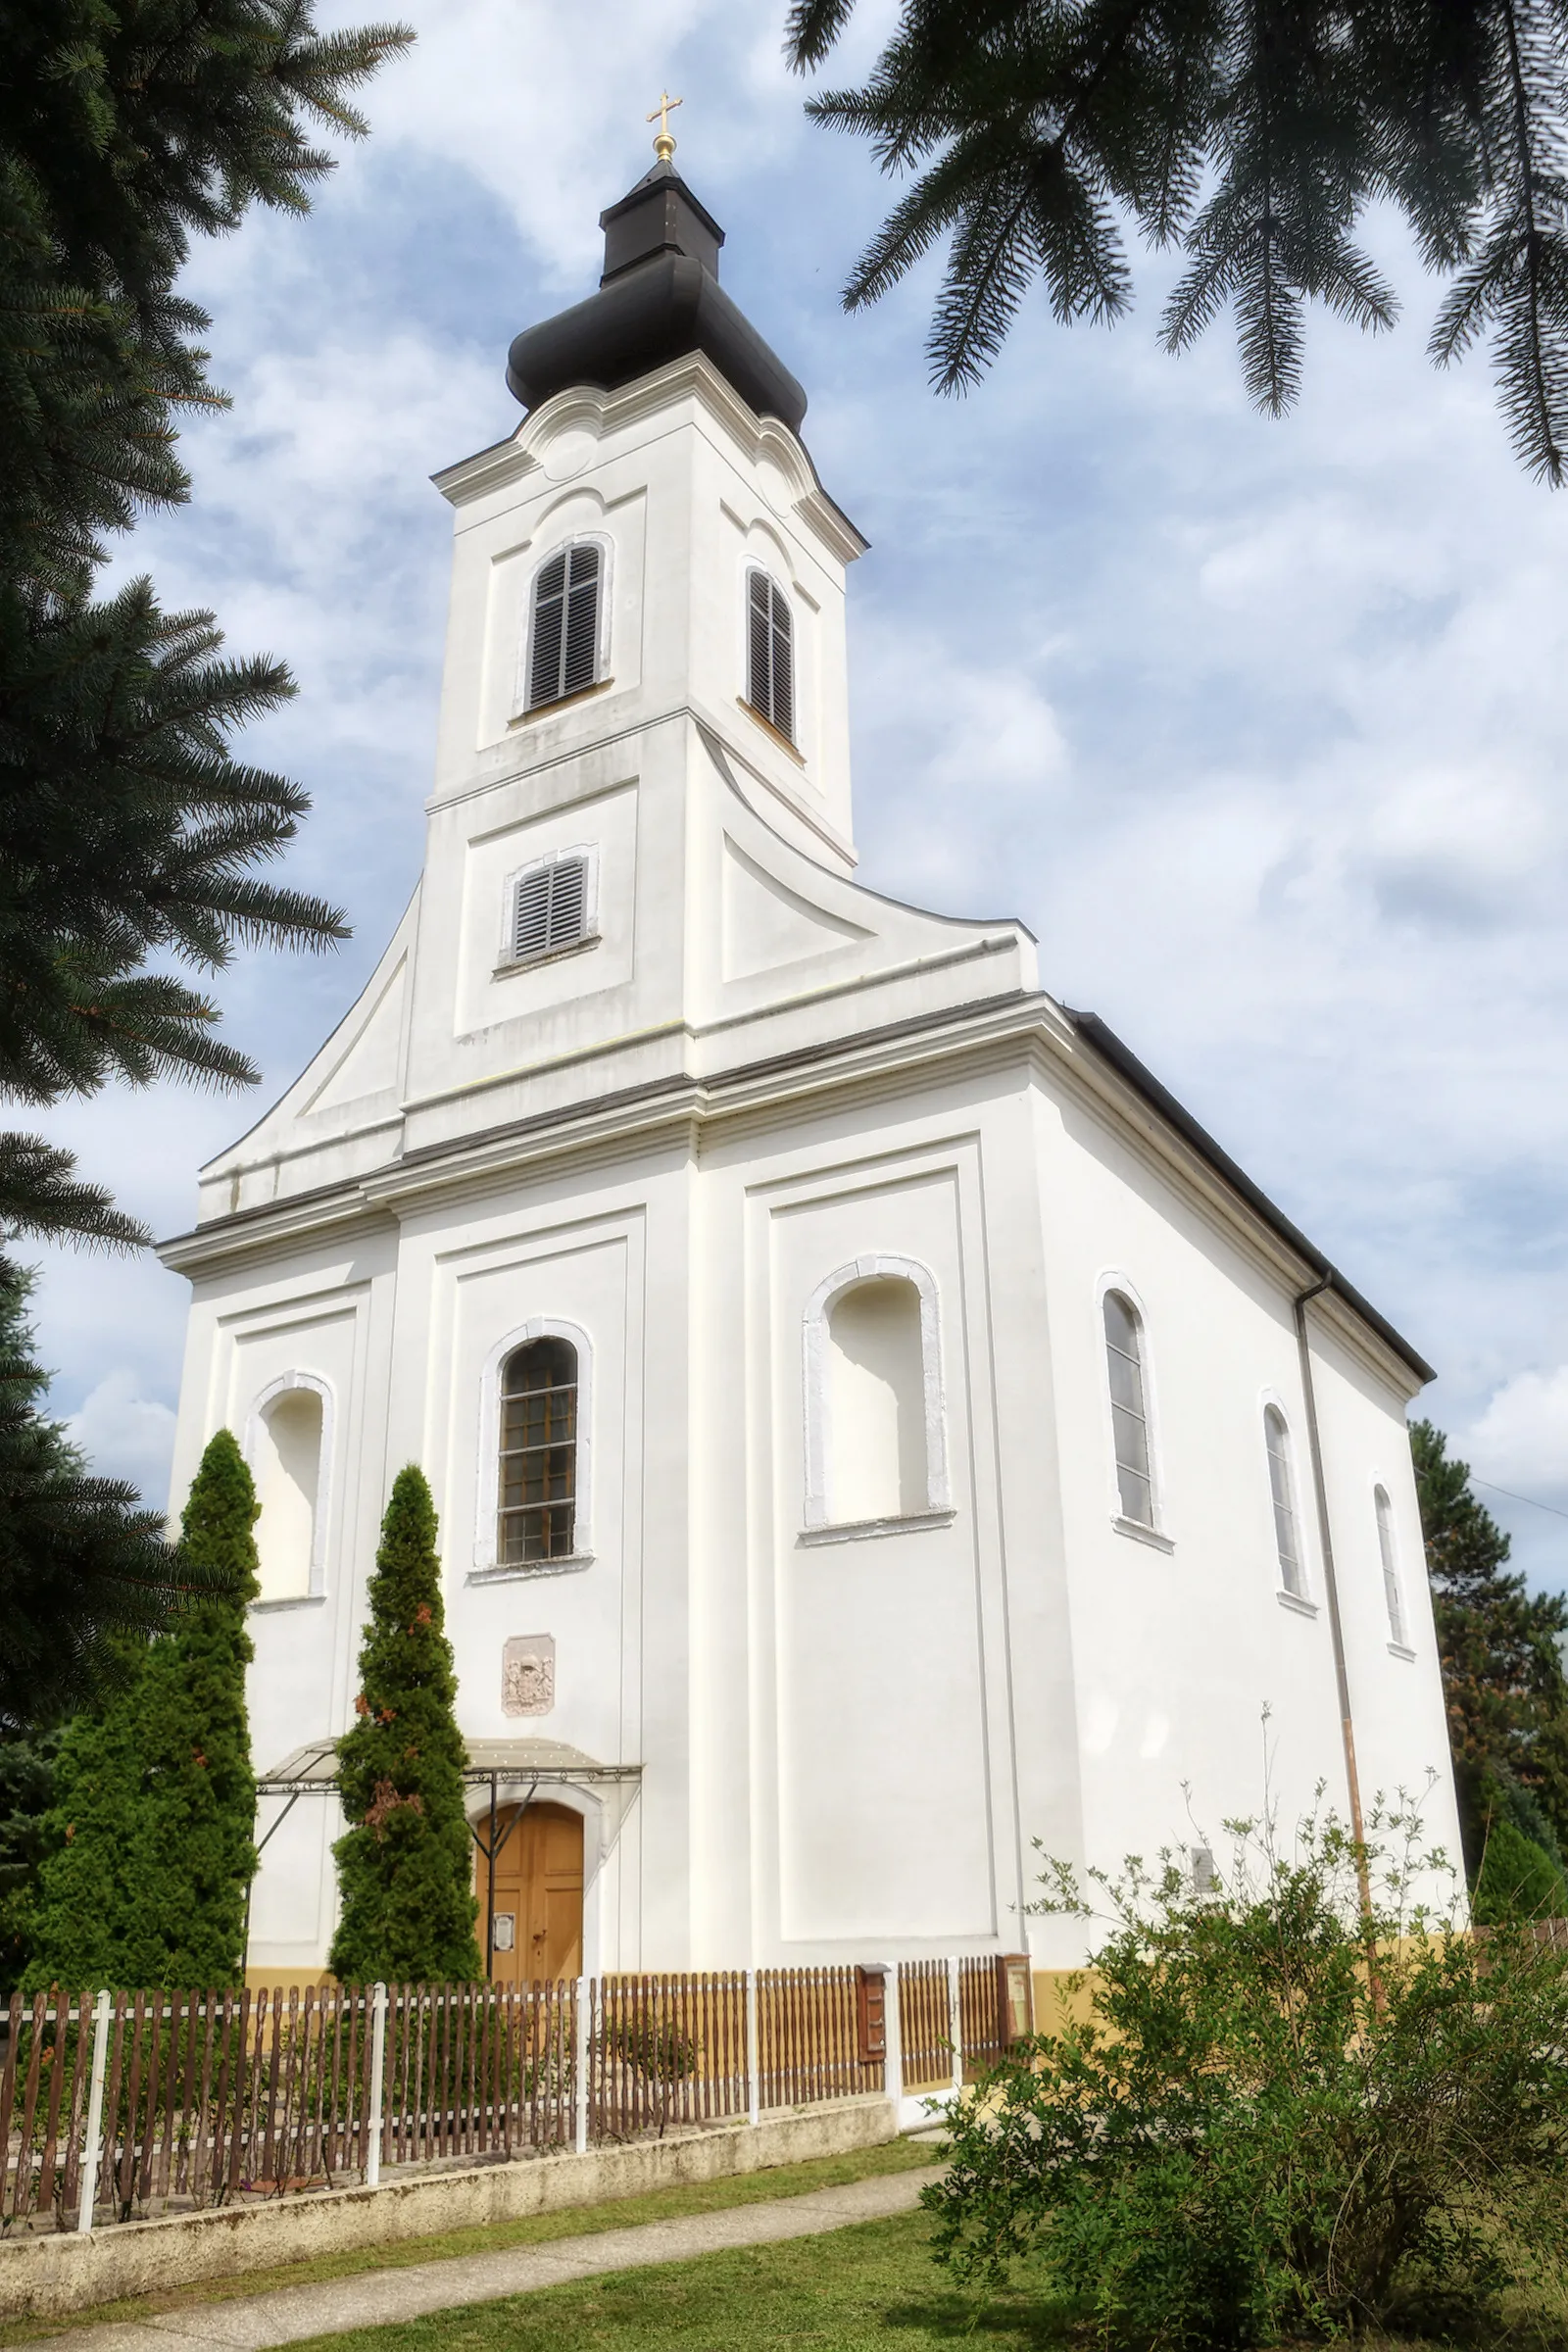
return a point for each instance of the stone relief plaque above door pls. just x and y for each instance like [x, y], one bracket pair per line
[529, 1675]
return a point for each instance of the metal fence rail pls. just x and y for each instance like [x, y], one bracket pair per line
[121, 2106]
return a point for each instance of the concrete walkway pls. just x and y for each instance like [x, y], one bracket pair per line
[374, 2299]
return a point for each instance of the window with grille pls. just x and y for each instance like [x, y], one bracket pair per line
[564, 642]
[1391, 1568]
[549, 908]
[1129, 1417]
[537, 1514]
[1277, 1441]
[770, 652]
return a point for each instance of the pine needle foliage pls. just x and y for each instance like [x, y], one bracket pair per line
[131, 836]
[151, 1837]
[83, 1570]
[1275, 2117]
[405, 1866]
[1502, 1669]
[130, 832]
[1251, 134]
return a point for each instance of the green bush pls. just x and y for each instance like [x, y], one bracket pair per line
[405, 1863]
[1518, 1879]
[1280, 2113]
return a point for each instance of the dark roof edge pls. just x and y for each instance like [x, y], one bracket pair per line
[1121, 1057]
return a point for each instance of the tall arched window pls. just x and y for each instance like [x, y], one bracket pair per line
[770, 652]
[876, 1402]
[564, 630]
[537, 1490]
[1129, 1409]
[1282, 1488]
[1391, 1566]
[286, 1461]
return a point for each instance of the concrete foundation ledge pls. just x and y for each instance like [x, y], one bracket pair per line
[48, 2277]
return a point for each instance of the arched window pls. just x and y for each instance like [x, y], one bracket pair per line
[1129, 1409]
[536, 1515]
[564, 634]
[1282, 1487]
[770, 652]
[1391, 1566]
[287, 1460]
[876, 1462]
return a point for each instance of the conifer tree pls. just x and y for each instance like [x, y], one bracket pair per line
[151, 1837]
[405, 1866]
[1252, 137]
[128, 828]
[1502, 1670]
[80, 1566]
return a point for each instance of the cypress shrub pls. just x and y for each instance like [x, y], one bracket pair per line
[1518, 1879]
[151, 1837]
[404, 1866]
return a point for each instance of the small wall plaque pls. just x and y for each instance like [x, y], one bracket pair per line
[529, 1675]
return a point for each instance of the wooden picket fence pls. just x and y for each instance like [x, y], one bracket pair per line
[925, 2024]
[118, 2107]
[229, 2097]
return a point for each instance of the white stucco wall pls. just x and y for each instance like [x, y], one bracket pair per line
[672, 1144]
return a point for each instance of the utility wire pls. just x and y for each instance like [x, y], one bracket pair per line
[1492, 1489]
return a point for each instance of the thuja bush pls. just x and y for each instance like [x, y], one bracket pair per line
[405, 1863]
[1290, 2104]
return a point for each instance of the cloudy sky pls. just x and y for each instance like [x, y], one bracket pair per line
[1259, 726]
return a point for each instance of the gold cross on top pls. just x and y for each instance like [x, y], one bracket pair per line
[665, 145]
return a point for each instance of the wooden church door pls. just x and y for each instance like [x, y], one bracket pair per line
[538, 1895]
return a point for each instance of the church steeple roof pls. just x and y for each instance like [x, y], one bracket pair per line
[659, 299]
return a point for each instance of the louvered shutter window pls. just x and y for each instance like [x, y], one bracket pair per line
[770, 652]
[551, 908]
[565, 646]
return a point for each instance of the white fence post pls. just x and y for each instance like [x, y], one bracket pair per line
[893, 2037]
[373, 2140]
[754, 2053]
[579, 2071]
[93, 2152]
[956, 2023]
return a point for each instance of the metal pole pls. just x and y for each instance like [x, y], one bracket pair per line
[579, 2077]
[1331, 1587]
[490, 1892]
[93, 2149]
[956, 2024]
[892, 2030]
[754, 2055]
[372, 2144]
[261, 1845]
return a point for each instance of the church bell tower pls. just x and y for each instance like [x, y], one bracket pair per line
[647, 621]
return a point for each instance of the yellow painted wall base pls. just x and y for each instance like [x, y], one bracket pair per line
[1061, 1994]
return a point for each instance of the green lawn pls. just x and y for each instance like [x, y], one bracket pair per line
[870, 2288]
[575, 2220]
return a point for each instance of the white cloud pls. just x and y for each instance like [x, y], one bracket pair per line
[1259, 726]
[126, 1434]
[1521, 1440]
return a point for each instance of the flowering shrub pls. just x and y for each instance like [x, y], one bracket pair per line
[1295, 2104]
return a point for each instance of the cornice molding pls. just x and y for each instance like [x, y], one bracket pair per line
[692, 1114]
[693, 374]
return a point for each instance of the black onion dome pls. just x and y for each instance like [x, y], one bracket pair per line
[659, 298]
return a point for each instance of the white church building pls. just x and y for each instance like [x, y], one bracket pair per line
[873, 1427]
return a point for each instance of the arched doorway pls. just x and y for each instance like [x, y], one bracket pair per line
[538, 1870]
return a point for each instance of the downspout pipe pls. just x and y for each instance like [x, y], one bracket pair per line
[1331, 1587]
